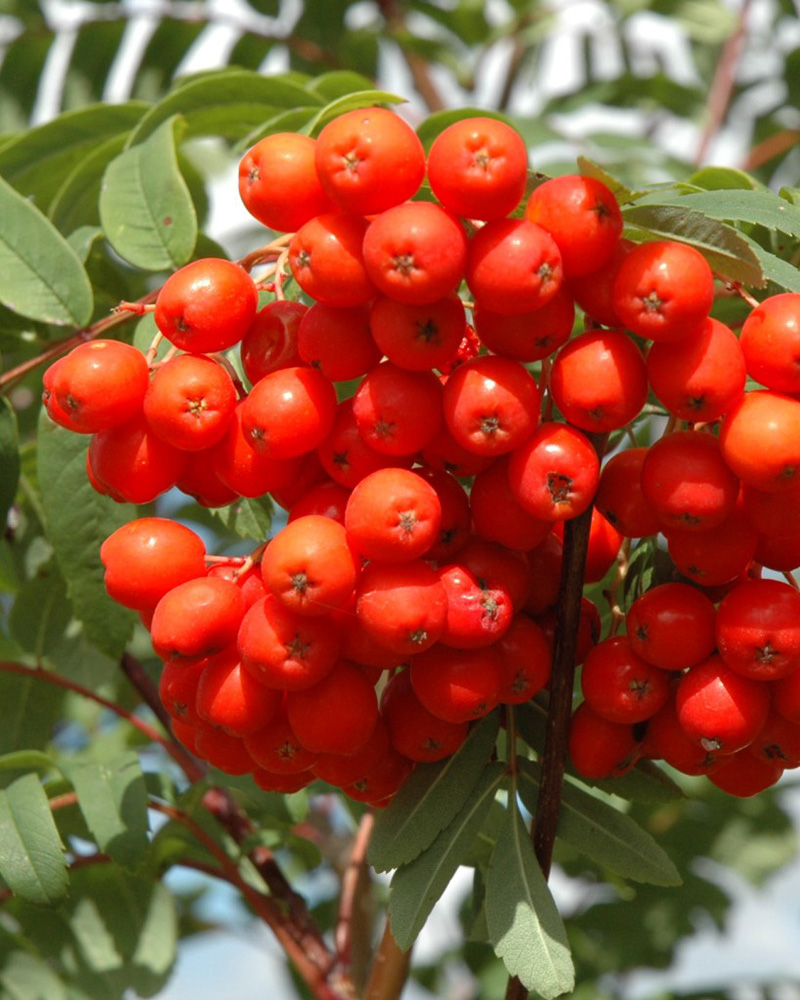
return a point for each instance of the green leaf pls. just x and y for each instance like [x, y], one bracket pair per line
[75, 204]
[40, 274]
[247, 517]
[30, 760]
[29, 710]
[623, 194]
[351, 102]
[719, 178]
[230, 103]
[31, 854]
[417, 885]
[429, 800]
[758, 207]
[728, 253]
[146, 209]
[296, 120]
[338, 83]
[78, 522]
[609, 837]
[27, 977]
[775, 269]
[37, 161]
[113, 799]
[525, 927]
[41, 613]
[9, 458]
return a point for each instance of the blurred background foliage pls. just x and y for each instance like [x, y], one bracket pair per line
[652, 90]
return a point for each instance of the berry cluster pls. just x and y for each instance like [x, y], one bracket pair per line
[425, 504]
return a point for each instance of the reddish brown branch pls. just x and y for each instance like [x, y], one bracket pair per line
[417, 65]
[353, 877]
[389, 969]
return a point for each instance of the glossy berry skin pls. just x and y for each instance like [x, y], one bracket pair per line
[619, 685]
[278, 181]
[620, 498]
[402, 606]
[455, 527]
[598, 380]
[398, 412]
[100, 384]
[206, 306]
[284, 650]
[309, 565]
[599, 748]
[760, 440]
[289, 412]
[770, 342]
[477, 168]
[197, 618]
[277, 748]
[491, 405]
[593, 292]
[147, 557]
[526, 660]
[582, 216]
[527, 336]
[190, 402]
[672, 626]
[496, 514]
[271, 339]
[246, 470]
[368, 160]
[414, 731]
[555, 473]
[758, 629]
[717, 555]
[744, 774]
[344, 730]
[418, 337]
[230, 697]
[457, 685]
[337, 341]
[604, 545]
[667, 740]
[134, 464]
[663, 290]
[393, 515]
[327, 261]
[687, 483]
[346, 456]
[477, 613]
[698, 378]
[415, 253]
[719, 709]
[514, 266]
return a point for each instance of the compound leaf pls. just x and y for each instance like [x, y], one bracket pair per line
[31, 853]
[430, 799]
[146, 209]
[525, 927]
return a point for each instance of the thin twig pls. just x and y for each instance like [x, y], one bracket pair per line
[352, 878]
[417, 65]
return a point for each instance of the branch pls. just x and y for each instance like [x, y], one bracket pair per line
[722, 86]
[389, 969]
[352, 879]
[559, 714]
[418, 67]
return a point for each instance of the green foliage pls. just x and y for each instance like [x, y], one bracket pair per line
[94, 205]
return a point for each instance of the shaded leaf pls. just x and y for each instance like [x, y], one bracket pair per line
[29, 710]
[728, 253]
[525, 927]
[146, 209]
[623, 194]
[247, 517]
[37, 161]
[26, 760]
[417, 885]
[9, 458]
[609, 837]
[31, 854]
[777, 270]
[113, 799]
[430, 799]
[40, 274]
[230, 103]
[41, 613]
[78, 521]
[718, 178]
[338, 83]
[28, 977]
[758, 207]
[75, 204]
